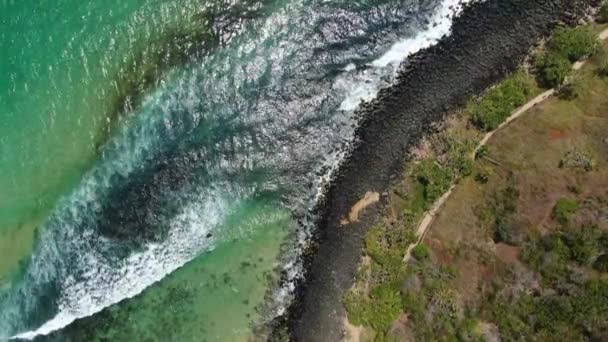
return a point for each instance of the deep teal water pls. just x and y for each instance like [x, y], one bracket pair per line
[160, 159]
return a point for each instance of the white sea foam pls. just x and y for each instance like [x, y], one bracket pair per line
[364, 85]
[104, 284]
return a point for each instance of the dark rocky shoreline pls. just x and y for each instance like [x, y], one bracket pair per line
[489, 40]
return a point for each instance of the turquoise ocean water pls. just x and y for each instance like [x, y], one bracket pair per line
[159, 160]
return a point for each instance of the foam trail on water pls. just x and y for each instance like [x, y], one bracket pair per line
[374, 75]
[187, 238]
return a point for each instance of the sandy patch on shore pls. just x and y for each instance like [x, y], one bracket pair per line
[370, 198]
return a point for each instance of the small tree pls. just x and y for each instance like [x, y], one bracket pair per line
[553, 69]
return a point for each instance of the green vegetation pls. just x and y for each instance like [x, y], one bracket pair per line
[378, 311]
[553, 68]
[434, 178]
[497, 104]
[603, 70]
[420, 252]
[603, 14]
[552, 255]
[568, 91]
[574, 43]
[565, 47]
[502, 209]
[578, 316]
[601, 263]
[564, 209]
[435, 304]
[458, 155]
[381, 305]
[386, 245]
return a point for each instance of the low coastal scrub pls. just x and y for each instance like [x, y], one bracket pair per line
[420, 252]
[501, 212]
[496, 105]
[574, 43]
[553, 68]
[603, 71]
[434, 178]
[579, 316]
[567, 46]
[576, 159]
[554, 255]
[377, 311]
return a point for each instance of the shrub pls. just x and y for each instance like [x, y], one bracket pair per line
[435, 178]
[357, 308]
[498, 103]
[568, 91]
[603, 14]
[553, 68]
[603, 68]
[583, 244]
[575, 159]
[420, 252]
[504, 206]
[482, 176]
[601, 263]
[459, 151]
[386, 246]
[378, 248]
[574, 43]
[386, 306]
[378, 311]
[555, 317]
[564, 209]
[548, 255]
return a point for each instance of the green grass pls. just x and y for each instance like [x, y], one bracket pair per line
[564, 209]
[420, 252]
